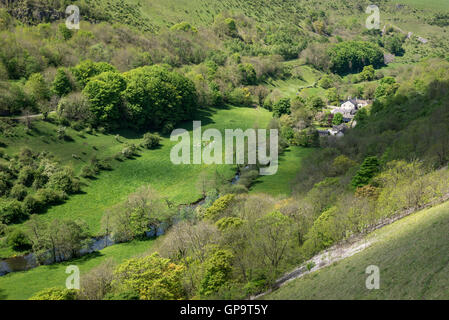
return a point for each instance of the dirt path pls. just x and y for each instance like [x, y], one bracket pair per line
[31, 116]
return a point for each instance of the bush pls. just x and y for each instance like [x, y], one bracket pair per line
[32, 204]
[11, 212]
[55, 294]
[26, 176]
[88, 172]
[75, 108]
[281, 107]
[216, 210]
[64, 180]
[151, 140]
[49, 196]
[18, 192]
[338, 119]
[3, 229]
[240, 97]
[368, 169]
[18, 240]
[218, 272]
[61, 84]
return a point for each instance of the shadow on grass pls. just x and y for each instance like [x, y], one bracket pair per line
[3, 296]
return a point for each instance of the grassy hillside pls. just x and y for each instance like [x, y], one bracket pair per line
[279, 184]
[428, 4]
[176, 182]
[410, 253]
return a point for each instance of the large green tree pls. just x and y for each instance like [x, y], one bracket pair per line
[158, 97]
[105, 96]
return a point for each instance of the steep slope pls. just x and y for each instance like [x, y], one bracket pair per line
[412, 256]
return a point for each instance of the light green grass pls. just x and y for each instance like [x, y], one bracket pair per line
[279, 183]
[412, 255]
[23, 285]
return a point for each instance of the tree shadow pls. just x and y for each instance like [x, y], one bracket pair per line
[3, 295]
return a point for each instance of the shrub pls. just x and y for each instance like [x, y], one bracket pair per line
[18, 192]
[32, 204]
[338, 119]
[49, 196]
[218, 207]
[11, 212]
[281, 107]
[153, 277]
[88, 172]
[64, 180]
[26, 176]
[151, 140]
[18, 240]
[75, 107]
[240, 97]
[3, 229]
[55, 294]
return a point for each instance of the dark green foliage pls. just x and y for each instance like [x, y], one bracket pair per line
[26, 176]
[156, 96]
[315, 102]
[352, 56]
[386, 88]
[18, 240]
[248, 73]
[61, 84]
[440, 19]
[11, 211]
[281, 107]
[18, 192]
[338, 119]
[65, 33]
[394, 45]
[368, 169]
[367, 74]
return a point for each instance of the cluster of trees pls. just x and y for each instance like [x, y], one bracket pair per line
[352, 56]
[145, 97]
[31, 183]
